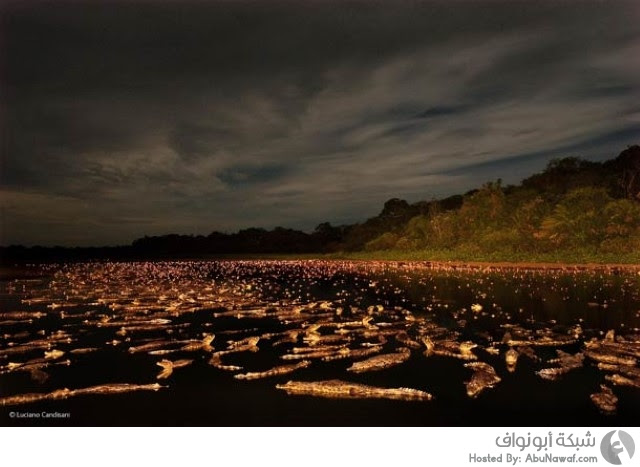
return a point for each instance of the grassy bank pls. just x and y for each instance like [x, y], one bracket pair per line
[565, 257]
[570, 257]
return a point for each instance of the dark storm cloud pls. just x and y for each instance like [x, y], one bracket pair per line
[124, 119]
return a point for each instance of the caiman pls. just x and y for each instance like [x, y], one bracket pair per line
[337, 389]
[484, 376]
[380, 362]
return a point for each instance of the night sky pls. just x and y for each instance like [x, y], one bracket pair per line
[125, 119]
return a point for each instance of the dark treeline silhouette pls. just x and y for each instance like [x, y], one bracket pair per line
[536, 215]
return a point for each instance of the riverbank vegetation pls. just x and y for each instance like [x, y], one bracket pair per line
[575, 211]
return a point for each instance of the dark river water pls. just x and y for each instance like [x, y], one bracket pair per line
[90, 328]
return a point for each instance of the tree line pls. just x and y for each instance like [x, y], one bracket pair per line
[573, 203]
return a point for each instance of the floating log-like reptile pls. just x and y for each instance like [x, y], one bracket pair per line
[337, 389]
[35, 397]
[53, 354]
[620, 380]
[380, 362]
[149, 346]
[289, 337]
[403, 338]
[511, 359]
[168, 366]
[567, 363]
[629, 371]
[316, 348]
[345, 352]
[312, 355]
[275, 371]
[318, 339]
[205, 344]
[544, 341]
[65, 393]
[484, 376]
[611, 358]
[605, 400]
[216, 361]
[449, 348]
[18, 315]
[83, 350]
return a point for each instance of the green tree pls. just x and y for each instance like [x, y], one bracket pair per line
[526, 220]
[578, 219]
[386, 241]
[483, 209]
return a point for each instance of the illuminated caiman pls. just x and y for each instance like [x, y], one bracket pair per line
[337, 389]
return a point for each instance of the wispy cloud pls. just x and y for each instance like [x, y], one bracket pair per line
[295, 123]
